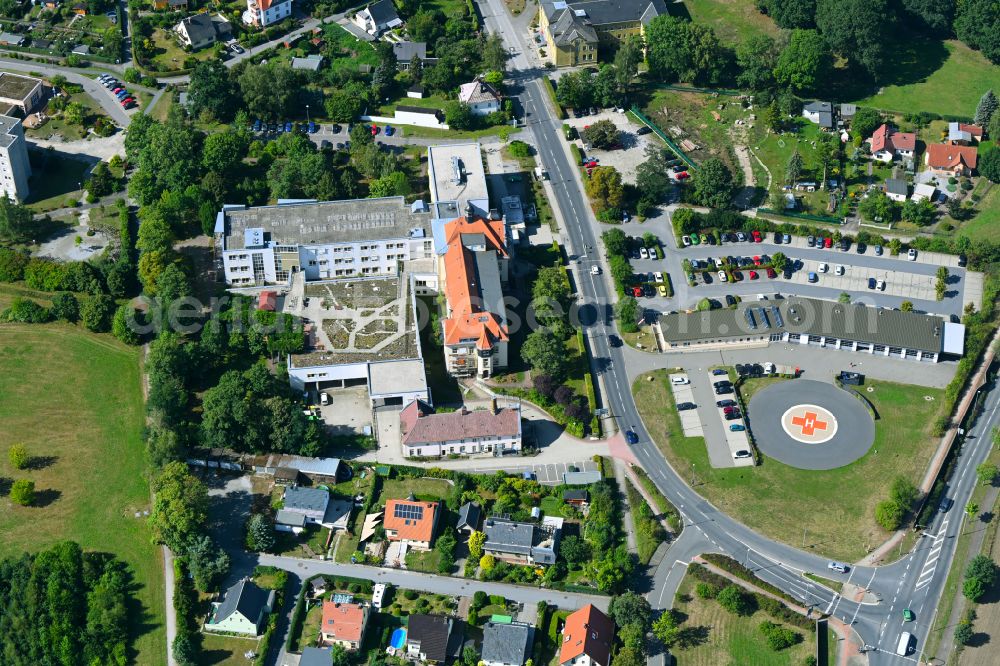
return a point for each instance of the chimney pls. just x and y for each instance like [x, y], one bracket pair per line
[493, 405]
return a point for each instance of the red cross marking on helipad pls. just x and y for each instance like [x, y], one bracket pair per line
[808, 424]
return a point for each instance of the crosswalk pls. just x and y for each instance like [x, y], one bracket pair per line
[930, 564]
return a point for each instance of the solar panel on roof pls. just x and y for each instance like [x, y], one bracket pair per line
[763, 319]
[776, 315]
[750, 319]
[408, 511]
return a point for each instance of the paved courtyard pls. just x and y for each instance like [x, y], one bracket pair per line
[633, 151]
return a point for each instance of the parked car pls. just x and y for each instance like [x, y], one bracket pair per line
[813, 278]
[657, 276]
[312, 128]
[721, 382]
[828, 242]
[878, 250]
[236, 48]
[880, 285]
[643, 253]
[871, 283]
[742, 453]
[637, 291]
[823, 267]
[719, 371]
[911, 254]
[771, 274]
[811, 241]
[661, 289]
[741, 237]
[685, 406]
[786, 238]
[722, 276]
[757, 238]
[724, 390]
[838, 567]
[753, 275]
[730, 299]
[839, 270]
[374, 130]
[737, 427]
[860, 248]
[643, 131]
[685, 241]
[728, 402]
[735, 415]
[845, 244]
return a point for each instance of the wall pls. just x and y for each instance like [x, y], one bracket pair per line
[404, 118]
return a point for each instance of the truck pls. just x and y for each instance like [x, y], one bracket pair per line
[541, 174]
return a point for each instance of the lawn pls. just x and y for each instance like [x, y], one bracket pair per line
[985, 224]
[953, 87]
[83, 418]
[169, 56]
[422, 489]
[225, 650]
[834, 509]
[732, 20]
[737, 637]
[55, 180]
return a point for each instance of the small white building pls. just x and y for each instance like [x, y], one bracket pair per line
[481, 97]
[923, 191]
[378, 593]
[263, 13]
[896, 189]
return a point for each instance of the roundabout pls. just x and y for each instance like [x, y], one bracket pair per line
[810, 425]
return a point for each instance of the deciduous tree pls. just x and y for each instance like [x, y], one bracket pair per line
[712, 184]
[180, 507]
[22, 492]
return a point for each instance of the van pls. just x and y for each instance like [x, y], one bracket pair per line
[679, 380]
[324, 399]
[903, 648]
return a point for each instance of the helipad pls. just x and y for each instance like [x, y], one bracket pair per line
[810, 424]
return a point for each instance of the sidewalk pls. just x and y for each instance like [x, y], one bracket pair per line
[847, 651]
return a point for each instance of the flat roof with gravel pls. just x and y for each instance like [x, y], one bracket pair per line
[16, 87]
[446, 184]
[312, 223]
[394, 377]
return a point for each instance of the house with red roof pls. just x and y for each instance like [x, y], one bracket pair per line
[587, 638]
[473, 269]
[494, 431]
[411, 522]
[262, 13]
[887, 143]
[948, 159]
[344, 624]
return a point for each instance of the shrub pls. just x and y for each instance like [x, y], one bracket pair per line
[25, 311]
[736, 601]
[706, 591]
[22, 492]
[778, 637]
[409, 595]
[963, 633]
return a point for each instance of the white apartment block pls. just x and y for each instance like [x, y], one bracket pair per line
[15, 169]
[333, 239]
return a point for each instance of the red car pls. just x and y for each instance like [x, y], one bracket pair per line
[637, 291]
[374, 130]
[771, 274]
[756, 261]
[827, 242]
[128, 100]
[753, 275]
[756, 236]
[591, 164]
[682, 175]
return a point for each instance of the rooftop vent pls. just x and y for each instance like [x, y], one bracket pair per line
[580, 12]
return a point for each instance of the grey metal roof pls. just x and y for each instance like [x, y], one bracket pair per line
[604, 12]
[314, 656]
[8, 130]
[507, 643]
[581, 478]
[246, 598]
[431, 633]
[575, 494]
[406, 50]
[896, 186]
[306, 499]
[848, 110]
[382, 11]
[199, 28]
[811, 316]
[818, 107]
[290, 518]
[469, 515]
[488, 282]
[509, 536]
[568, 27]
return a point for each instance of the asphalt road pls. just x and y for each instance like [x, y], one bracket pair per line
[708, 529]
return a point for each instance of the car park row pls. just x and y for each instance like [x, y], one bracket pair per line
[117, 88]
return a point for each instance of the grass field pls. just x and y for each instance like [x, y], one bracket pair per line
[82, 417]
[952, 88]
[986, 223]
[732, 20]
[225, 650]
[834, 509]
[431, 489]
[737, 637]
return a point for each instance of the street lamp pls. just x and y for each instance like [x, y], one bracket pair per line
[307, 114]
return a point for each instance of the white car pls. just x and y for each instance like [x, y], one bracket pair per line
[686, 241]
[680, 380]
[769, 368]
[823, 268]
[718, 262]
[911, 255]
[657, 276]
[595, 270]
[643, 253]
[839, 270]
[880, 285]
[723, 277]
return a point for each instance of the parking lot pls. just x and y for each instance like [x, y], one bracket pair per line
[736, 440]
[547, 473]
[684, 393]
[625, 159]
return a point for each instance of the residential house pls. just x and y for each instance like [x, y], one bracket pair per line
[243, 610]
[344, 624]
[820, 113]
[469, 516]
[964, 134]
[267, 300]
[482, 98]
[263, 13]
[23, 92]
[574, 29]
[576, 496]
[378, 17]
[847, 112]
[896, 189]
[405, 52]
[315, 656]
[310, 502]
[947, 159]
[416, 91]
[473, 269]
[887, 143]
[587, 638]
[80, 9]
[203, 30]
[311, 63]
[10, 39]
[432, 638]
[411, 522]
[494, 431]
[521, 543]
[290, 521]
[507, 644]
[317, 587]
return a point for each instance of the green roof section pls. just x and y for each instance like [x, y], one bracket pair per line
[501, 619]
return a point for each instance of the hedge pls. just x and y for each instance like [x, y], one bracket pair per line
[730, 565]
[560, 112]
[298, 616]
[769, 605]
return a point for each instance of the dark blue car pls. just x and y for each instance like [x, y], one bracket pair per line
[631, 437]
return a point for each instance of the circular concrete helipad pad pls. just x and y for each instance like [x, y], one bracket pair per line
[810, 424]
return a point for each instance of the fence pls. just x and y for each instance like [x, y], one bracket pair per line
[861, 398]
[666, 139]
[692, 89]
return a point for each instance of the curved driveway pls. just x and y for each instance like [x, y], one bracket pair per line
[853, 438]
